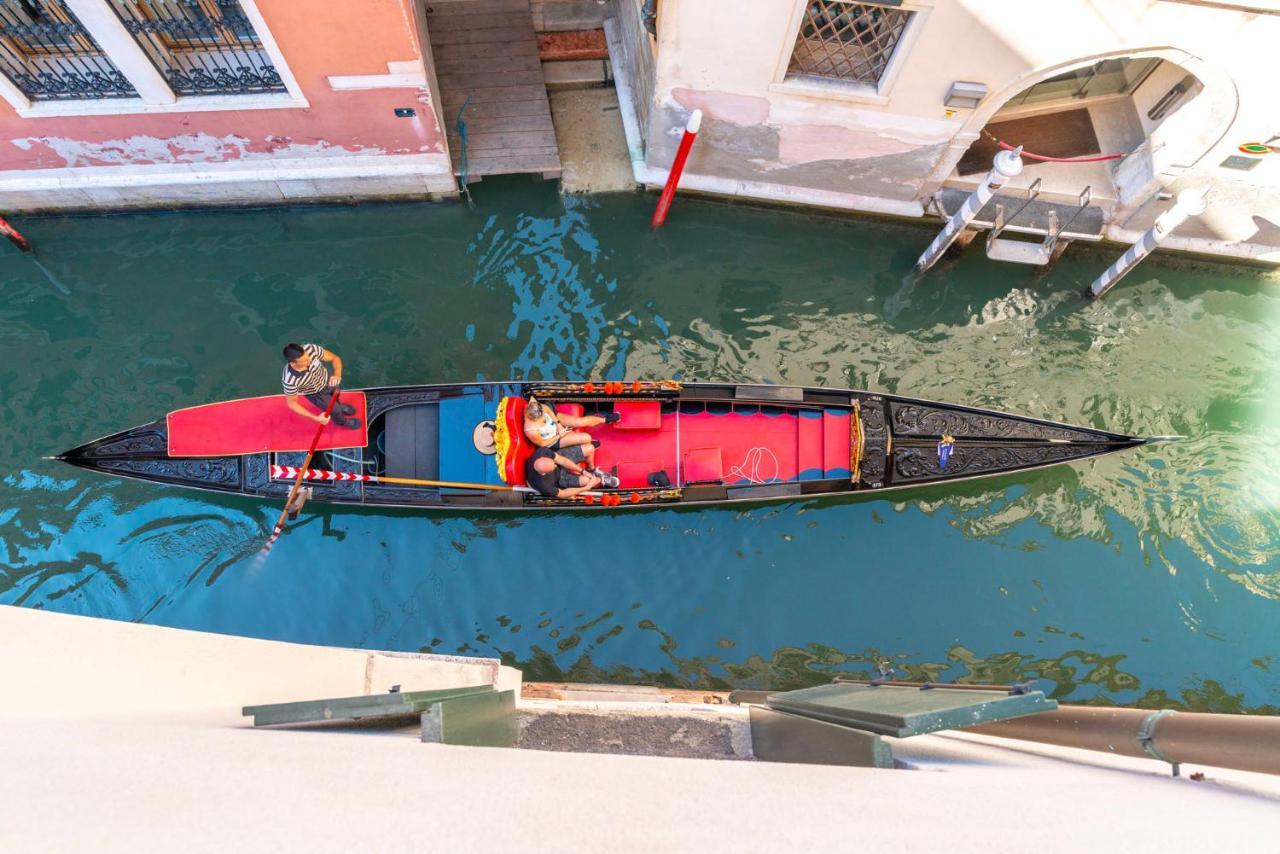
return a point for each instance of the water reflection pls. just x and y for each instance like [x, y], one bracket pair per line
[1164, 563]
[1077, 676]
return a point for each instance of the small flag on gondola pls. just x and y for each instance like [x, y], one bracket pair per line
[944, 450]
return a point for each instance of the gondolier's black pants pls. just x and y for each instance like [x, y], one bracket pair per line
[341, 411]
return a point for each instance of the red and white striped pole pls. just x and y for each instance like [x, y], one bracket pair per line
[15, 236]
[677, 167]
[278, 472]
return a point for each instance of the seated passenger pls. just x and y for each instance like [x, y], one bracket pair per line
[564, 475]
[548, 429]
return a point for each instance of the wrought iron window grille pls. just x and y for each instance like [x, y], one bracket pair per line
[847, 41]
[202, 47]
[49, 56]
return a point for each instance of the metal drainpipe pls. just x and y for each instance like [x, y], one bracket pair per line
[1190, 203]
[1243, 742]
[1005, 165]
[649, 16]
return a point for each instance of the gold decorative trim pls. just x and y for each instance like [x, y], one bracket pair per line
[502, 439]
[855, 453]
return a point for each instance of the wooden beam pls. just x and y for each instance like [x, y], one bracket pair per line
[488, 35]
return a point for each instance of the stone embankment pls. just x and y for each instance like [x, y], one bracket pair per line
[120, 736]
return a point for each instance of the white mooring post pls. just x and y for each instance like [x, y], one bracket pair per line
[1006, 165]
[1190, 203]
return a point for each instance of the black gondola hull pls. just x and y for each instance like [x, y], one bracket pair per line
[889, 443]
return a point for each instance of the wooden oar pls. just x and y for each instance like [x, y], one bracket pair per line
[297, 483]
[301, 474]
[286, 472]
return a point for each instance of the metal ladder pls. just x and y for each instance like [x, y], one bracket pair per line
[1024, 251]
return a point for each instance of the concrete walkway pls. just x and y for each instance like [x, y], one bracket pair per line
[593, 146]
[120, 737]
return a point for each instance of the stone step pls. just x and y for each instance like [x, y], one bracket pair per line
[1018, 251]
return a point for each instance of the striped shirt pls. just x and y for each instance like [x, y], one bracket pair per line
[314, 379]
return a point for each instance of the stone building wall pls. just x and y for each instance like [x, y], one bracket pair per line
[889, 147]
[334, 133]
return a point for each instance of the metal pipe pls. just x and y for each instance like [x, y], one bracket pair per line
[649, 16]
[956, 686]
[1243, 742]
[1190, 203]
[1006, 165]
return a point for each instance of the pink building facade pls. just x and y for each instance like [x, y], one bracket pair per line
[133, 103]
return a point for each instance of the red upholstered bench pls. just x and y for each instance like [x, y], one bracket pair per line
[638, 414]
[636, 475]
[702, 465]
[574, 409]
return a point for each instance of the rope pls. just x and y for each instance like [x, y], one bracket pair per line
[336, 456]
[462, 135]
[750, 468]
[1027, 154]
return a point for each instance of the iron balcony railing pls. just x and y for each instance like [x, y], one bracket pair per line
[202, 47]
[48, 54]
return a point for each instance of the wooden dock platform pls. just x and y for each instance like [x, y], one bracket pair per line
[487, 50]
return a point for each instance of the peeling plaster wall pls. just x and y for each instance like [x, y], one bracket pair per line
[183, 148]
[728, 58]
[723, 57]
[740, 140]
[318, 39]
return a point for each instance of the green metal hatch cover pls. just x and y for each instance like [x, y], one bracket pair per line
[902, 711]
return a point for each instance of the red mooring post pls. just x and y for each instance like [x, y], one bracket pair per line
[14, 236]
[673, 178]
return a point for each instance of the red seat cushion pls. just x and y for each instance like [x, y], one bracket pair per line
[513, 464]
[702, 465]
[574, 409]
[638, 414]
[837, 443]
[636, 475]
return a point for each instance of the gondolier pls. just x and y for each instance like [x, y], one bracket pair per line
[305, 375]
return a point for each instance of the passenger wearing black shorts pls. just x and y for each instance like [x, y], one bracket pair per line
[562, 474]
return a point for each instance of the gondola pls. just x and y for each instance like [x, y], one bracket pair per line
[463, 446]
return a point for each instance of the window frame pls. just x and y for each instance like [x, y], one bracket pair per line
[130, 56]
[75, 53]
[831, 88]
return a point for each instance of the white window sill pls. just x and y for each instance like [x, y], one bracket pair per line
[185, 104]
[830, 90]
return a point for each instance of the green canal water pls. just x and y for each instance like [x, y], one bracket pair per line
[1151, 577]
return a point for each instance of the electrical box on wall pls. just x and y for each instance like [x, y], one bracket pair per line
[964, 95]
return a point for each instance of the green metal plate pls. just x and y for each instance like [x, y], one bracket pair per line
[479, 720]
[903, 711]
[784, 737]
[353, 708]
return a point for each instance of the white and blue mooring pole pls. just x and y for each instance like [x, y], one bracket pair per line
[1190, 203]
[1006, 165]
